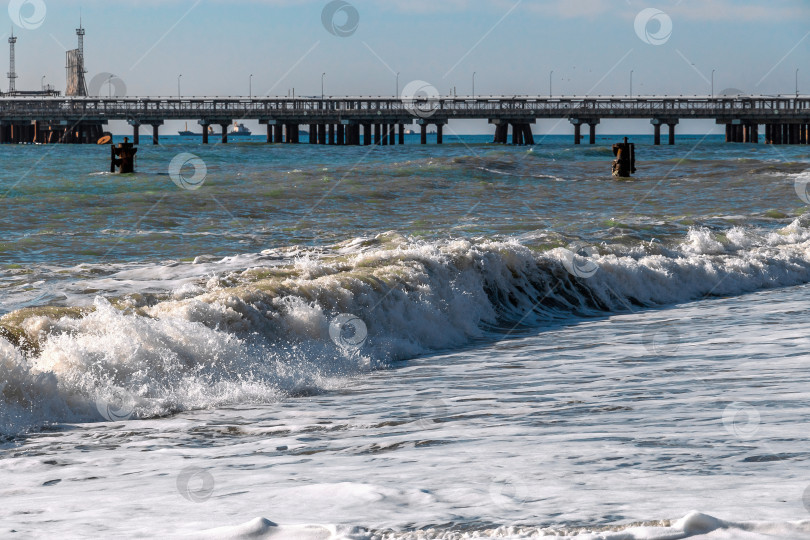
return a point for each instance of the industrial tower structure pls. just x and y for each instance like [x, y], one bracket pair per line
[76, 83]
[12, 72]
[38, 130]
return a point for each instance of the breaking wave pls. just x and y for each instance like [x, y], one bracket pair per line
[266, 332]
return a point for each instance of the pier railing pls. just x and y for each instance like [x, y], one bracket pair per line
[442, 108]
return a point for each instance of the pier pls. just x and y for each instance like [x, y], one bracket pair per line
[381, 121]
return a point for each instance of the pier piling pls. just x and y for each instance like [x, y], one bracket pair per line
[656, 131]
[625, 163]
[123, 157]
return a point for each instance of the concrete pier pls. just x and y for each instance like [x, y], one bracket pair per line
[656, 123]
[521, 131]
[205, 132]
[156, 131]
[80, 119]
[578, 123]
[501, 133]
[136, 132]
[517, 135]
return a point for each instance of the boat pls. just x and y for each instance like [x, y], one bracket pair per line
[239, 130]
[187, 133]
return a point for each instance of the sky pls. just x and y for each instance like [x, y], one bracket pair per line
[512, 46]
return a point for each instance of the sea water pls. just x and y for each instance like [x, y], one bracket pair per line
[453, 341]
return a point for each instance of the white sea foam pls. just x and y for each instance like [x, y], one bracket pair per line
[695, 525]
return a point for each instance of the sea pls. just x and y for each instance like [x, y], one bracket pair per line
[452, 341]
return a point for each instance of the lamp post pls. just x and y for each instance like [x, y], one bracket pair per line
[178, 86]
[43, 83]
[797, 82]
[473, 85]
[250, 86]
[551, 73]
[631, 83]
[713, 83]
[322, 76]
[109, 86]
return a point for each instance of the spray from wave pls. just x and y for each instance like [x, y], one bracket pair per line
[263, 333]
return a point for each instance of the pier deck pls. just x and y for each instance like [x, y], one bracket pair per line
[338, 120]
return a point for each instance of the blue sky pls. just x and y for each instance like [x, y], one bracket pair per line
[591, 45]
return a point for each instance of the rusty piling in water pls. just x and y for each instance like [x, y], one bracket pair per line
[122, 157]
[625, 162]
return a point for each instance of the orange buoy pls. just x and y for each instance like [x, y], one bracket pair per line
[106, 139]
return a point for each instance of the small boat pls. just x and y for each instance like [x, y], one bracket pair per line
[187, 133]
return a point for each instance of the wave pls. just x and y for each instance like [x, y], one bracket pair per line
[312, 319]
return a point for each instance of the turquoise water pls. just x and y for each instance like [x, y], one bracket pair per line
[62, 208]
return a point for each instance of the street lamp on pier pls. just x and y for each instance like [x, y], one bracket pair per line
[631, 83]
[322, 76]
[797, 82]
